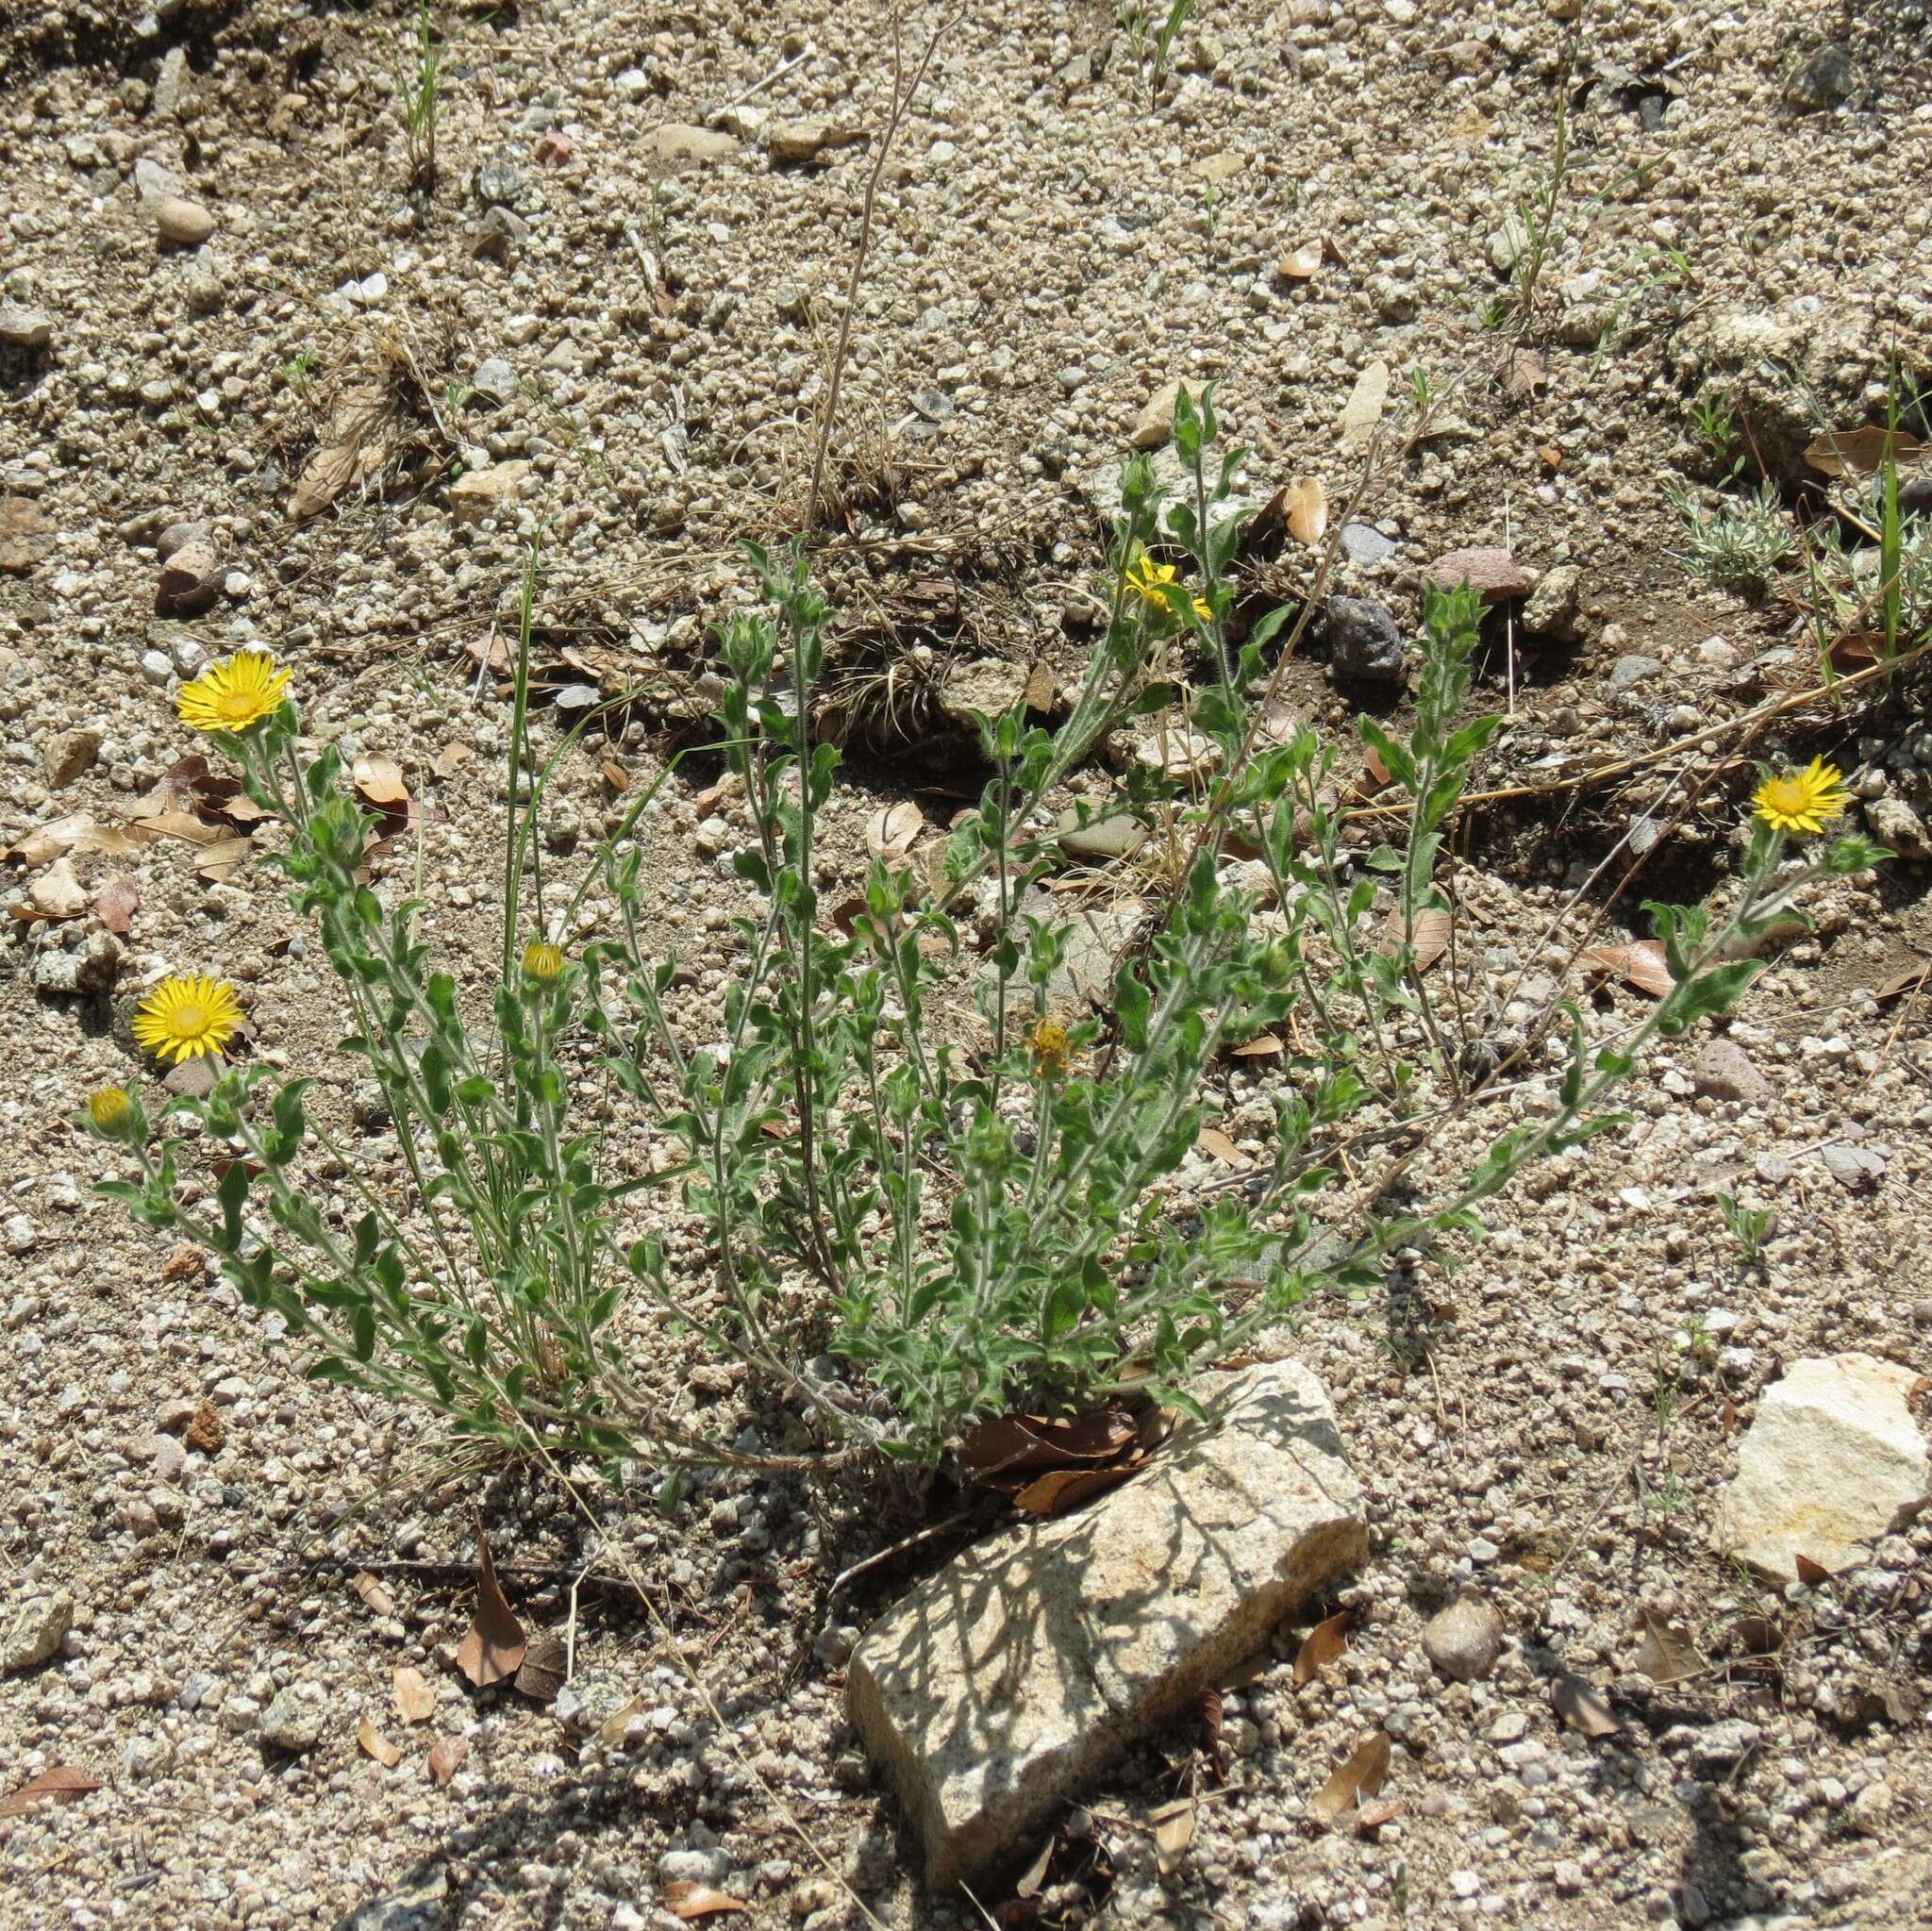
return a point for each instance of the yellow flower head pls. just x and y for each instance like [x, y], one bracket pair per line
[110, 1109]
[233, 694]
[1146, 579]
[1051, 1047]
[1804, 800]
[187, 1018]
[543, 962]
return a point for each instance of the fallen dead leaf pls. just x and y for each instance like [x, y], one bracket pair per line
[222, 860]
[379, 778]
[1664, 1655]
[1323, 1644]
[1028, 1883]
[891, 833]
[1427, 936]
[492, 1646]
[1060, 1489]
[58, 1785]
[1642, 964]
[115, 904]
[1372, 1817]
[615, 776]
[1364, 408]
[377, 1745]
[1759, 1636]
[610, 1731]
[413, 1693]
[323, 477]
[1862, 452]
[1523, 374]
[1262, 1047]
[1307, 511]
[1043, 687]
[687, 1899]
[540, 1675]
[376, 1599]
[1174, 1831]
[446, 1757]
[57, 893]
[491, 652]
[1014, 1444]
[1360, 1776]
[187, 1263]
[451, 759]
[1902, 983]
[1581, 1707]
[1210, 1139]
[1810, 1573]
[1300, 264]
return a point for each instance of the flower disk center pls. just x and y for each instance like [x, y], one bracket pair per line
[186, 1020]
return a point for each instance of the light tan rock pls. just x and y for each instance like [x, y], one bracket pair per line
[478, 494]
[792, 143]
[1155, 424]
[38, 1630]
[180, 219]
[1029, 1663]
[676, 141]
[1832, 1460]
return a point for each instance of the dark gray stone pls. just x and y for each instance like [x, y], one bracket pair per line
[1364, 639]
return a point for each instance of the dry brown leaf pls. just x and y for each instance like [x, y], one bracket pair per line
[58, 1785]
[1862, 452]
[1174, 1831]
[1523, 374]
[1043, 687]
[1028, 1883]
[489, 651]
[379, 778]
[222, 860]
[1364, 408]
[1759, 1636]
[1427, 937]
[1307, 511]
[1360, 1776]
[1664, 1655]
[1901, 983]
[539, 1677]
[115, 904]
[615, 776]
[375, 1598]
[1210, 1139]
[451, 759]
[1262, 1047]
[1323, 1646]
[1016, 1444]
[1581, 1707]
[1300, 264]
[891, 833]
[182, 824]
[446, 1757]
[325, 476]
[1642, 964]
[413, 1693]
[377, 1745]
[1372, 1817]
[687, 1899]
[611, 1731]
[492, 1646]
[1810, 1573]
[1060, 1489]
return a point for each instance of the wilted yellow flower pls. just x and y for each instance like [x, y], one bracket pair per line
[1051, 1047]
[187, 1018]
[110, 1109]
[1145, 578]
[543, 962]
[233, 694]
[1802, 800]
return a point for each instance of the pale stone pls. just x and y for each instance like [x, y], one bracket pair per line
[1155, 423]
[1028, 1664]
[990, 685]
[1493, 573]
[37, 1633]
[808, 140]
[1832, 1461]
[1464, 1640]
[674, 142]
[478, 494]
[183, 221]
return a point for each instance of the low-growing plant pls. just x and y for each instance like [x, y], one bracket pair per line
[909, 1218]
[1738, 546]
[1750, 1226]
[419, 82]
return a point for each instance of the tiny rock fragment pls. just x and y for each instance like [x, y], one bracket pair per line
[891, 833]
[1724, 1071]
[1493, 573]
[38, 1629]
[23, 328]
[24, 538]
[807, 141]
[190, 578]
[1365, 641]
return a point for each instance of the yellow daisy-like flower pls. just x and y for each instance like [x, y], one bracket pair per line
[108, 1110]
[1804, 800]
[543, 962]
[187, 1018]
[1145, 578]
[1051, 1048]
[233, 694]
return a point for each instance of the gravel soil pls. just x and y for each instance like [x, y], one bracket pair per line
[647, 322]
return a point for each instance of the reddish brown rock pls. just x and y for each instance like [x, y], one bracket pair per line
[1493, 573]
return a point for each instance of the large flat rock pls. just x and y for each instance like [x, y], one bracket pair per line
[1008, 1679]
[1832, 1460]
